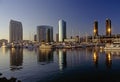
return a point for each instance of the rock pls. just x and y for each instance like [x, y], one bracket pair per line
[19, 81]
[3, 79]
[0, 74]
[12, 79]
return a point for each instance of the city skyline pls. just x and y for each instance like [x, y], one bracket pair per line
[79, 15]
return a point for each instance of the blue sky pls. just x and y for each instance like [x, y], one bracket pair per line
[79, 15]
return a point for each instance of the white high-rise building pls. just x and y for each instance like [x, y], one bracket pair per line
[62, 30]
[15, 31]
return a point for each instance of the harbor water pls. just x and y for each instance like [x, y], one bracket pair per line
[60, 65]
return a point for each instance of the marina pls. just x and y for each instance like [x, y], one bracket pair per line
[113, 46]
[59, 41]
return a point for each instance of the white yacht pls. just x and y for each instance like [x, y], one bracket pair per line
[46, 46]
[113, 46]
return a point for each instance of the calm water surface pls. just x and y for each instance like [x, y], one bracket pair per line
[62, 65]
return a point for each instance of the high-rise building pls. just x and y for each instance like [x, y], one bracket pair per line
[51, 33]
[57, 37]
[62, 30]
[108, 27]
[44, 33]
[95, 30]
[16, 31]
[35, 37]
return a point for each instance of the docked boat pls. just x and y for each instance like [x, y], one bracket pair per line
[113, 46]
[46, 46]
[4, 45]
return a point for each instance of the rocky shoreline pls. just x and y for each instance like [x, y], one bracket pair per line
[12, 79]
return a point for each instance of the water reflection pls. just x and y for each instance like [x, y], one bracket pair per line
[95, 58]
[88, 61]
[108, 60]
[4, 50]
[114, 53]
[16, 58]
[45, 56]
[62, 59]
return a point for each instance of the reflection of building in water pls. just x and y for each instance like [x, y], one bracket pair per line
[62, 59]
[95, 58]
[4, 50]
[16, 58]
[108, 60]
[45, 55]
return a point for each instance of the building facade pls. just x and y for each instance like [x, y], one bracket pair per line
[108, 27]
[44, 33]
[15, 31]
[95, 30]
[35, 37]
[62, 30]
[57, 37]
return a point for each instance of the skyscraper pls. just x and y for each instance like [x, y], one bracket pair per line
[108, 27]
[95, 31]
[35, 37]
[44, 33]
[16, 31]
[57, 37]
[62, 30]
